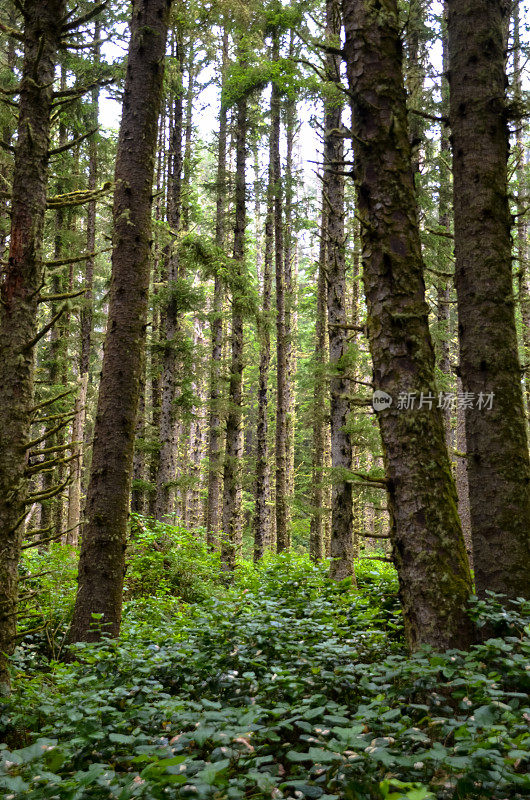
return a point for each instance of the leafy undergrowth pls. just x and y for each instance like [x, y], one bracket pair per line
[285, 685]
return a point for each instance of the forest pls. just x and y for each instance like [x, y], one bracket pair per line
[264, 399]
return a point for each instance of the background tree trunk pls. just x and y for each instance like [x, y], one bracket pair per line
[234, 431]
[262, 516]
[215, 432]
[341, 543]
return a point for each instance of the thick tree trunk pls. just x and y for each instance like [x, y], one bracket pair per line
[497, 446]
[341, 544]
[234, 431]
[19, 295]
[428, 546]
[102, 560]
[215, 432]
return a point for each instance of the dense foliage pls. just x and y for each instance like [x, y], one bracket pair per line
[282, 684]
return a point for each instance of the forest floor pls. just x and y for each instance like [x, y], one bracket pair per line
[280, 685]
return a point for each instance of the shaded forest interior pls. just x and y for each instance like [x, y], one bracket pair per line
[264, 399]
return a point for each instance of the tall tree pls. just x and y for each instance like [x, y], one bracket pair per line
[101, 565]
[283, 534]
[234, 432]
[497, 446]
[170, 321]
[20, 295]
[341, 543]
[523, 245]
[427, 541]
[215, 435]
[87, 313]
[320, 411]
[262, 517]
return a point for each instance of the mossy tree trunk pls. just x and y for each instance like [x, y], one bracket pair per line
[102, 559]
[20, 294]
[497, 446]
[428, 546]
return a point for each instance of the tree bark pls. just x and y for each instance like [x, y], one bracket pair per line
[522, 243]
[443, 286]
[428, 546]
[170, 323]
[341, 543]
[87, 306]
[320, 403]
[234, 431]
[215, 433]
[497, 446]
[102, 559]
[19, 295]
[282, 334]
[262, 516]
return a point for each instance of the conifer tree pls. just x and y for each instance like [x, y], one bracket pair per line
[427, 542]
[497, 444]
[101, 564]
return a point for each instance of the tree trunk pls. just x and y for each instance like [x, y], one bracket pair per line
[341, 543]
[522, 210]
[102, 560]
[320, 405]
[262, 516]
[87, 306]
[170, 325]
[74, 489]
[215, 433]
[443, 285]
[290, 296]
[497, 446]
[234, 432]
[19, 295]
[282, 334]
[428, 546]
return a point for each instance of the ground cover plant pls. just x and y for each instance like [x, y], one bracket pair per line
[282, 684]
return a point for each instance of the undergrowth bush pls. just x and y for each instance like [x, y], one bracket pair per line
[167, 559]
[284, 685]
